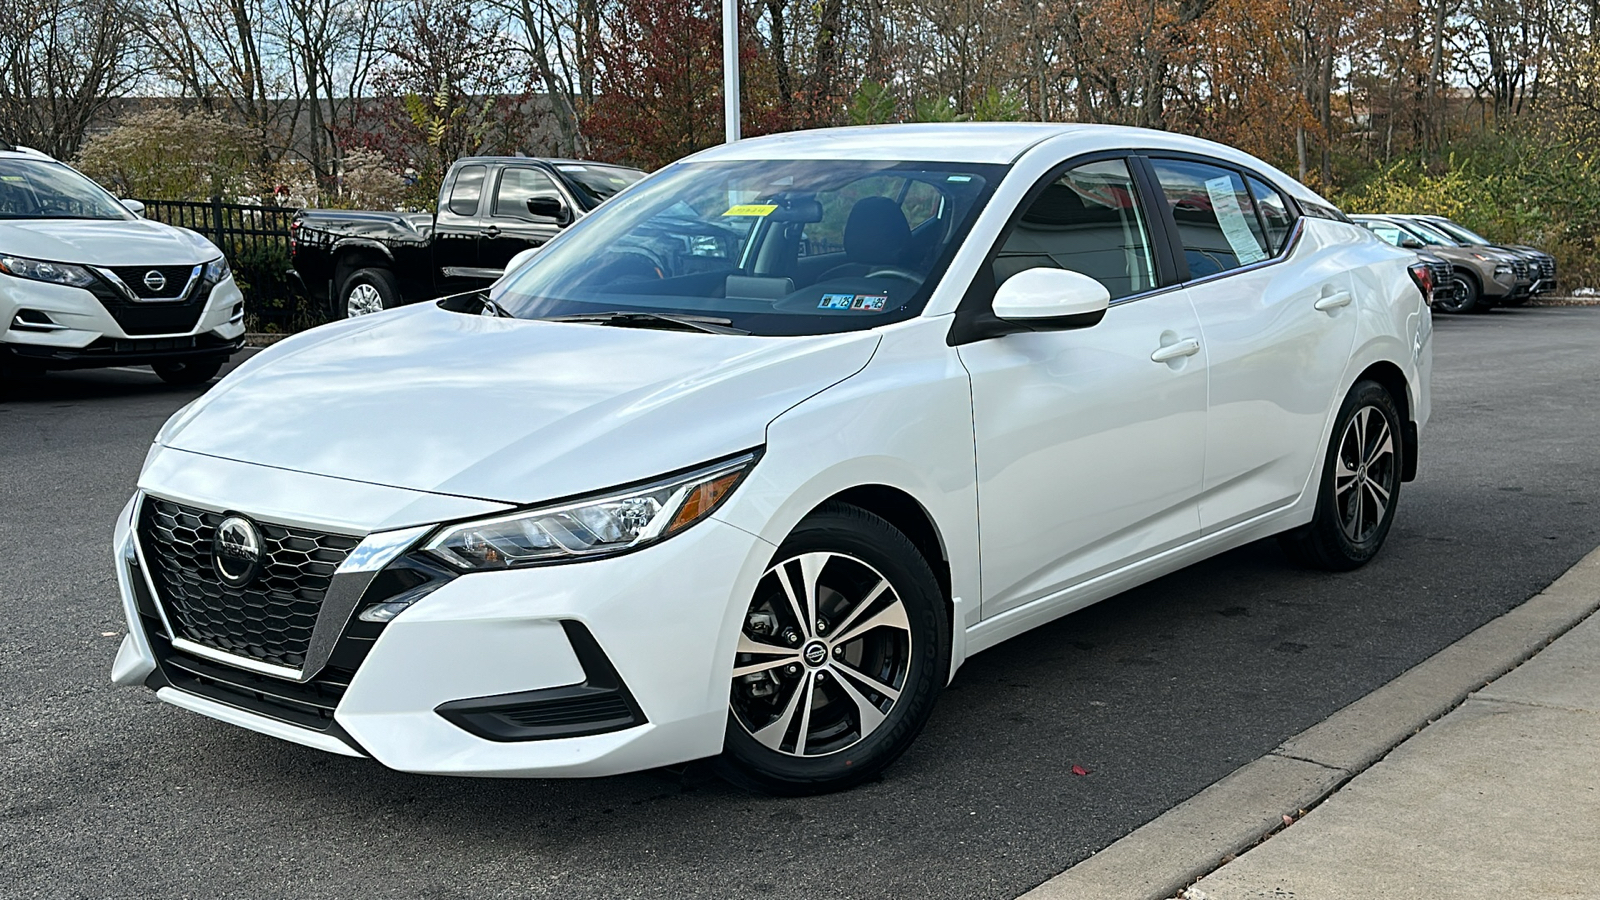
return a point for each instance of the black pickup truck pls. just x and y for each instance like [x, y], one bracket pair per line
[490, 209]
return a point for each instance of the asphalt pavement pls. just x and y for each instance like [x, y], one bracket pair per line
[104, 792]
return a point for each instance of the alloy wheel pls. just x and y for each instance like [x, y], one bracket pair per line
[823, 655]
[1364, 480]
[363, 299]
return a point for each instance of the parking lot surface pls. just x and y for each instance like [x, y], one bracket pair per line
[105, 792]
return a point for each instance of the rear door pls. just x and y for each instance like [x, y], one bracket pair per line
[1276, 308]
[511, 227]
[457, 228]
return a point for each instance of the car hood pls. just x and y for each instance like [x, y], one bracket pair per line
[504, 409]
[138, 242]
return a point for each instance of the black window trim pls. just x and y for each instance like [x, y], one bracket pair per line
[974, 318]
[1147, 161]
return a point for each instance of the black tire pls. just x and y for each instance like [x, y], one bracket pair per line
[858, 549]
[373, 289]
[190, 372]
[1371, 479]
[1467, 299]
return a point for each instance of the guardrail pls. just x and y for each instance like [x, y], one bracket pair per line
[255, 239]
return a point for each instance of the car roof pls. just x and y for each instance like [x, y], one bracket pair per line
[982, 142]
[546, 160]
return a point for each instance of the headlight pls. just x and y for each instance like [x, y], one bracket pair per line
[217, 269]
[51, 272]
[606, 525]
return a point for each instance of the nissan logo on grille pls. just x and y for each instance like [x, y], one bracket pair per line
[155, 281]
[236, 551]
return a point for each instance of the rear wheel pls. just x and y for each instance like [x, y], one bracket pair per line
[843, 651]
[1360, 485]
[368, 291]
[189, 372]
[1467, 297]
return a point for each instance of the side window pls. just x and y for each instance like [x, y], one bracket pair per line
[1216, 219]
[1388, 233]
[921, 203]
[464, 193]
[1275, 214]
[517, 187]
[1088, 220]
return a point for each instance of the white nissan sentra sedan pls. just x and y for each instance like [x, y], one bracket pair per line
[746, 463]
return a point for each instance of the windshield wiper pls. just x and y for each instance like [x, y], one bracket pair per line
[633, 319]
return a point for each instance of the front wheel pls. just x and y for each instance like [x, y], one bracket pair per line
[188, 373]
[843, 651]
[1360, 485]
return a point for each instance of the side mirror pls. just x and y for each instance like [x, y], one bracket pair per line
[1411, 243]
[520, 260]
[550, 208]
[133, 206]
[1051, 299]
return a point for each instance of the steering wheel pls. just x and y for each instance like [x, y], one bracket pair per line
[895, 272]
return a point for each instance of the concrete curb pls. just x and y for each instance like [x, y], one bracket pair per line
[1193, 838]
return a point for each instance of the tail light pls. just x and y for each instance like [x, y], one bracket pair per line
[1423, 276]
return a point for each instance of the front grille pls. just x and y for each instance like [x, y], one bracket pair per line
[1547, 268]
[1519, 268]
[173, 280]
[270, 619]
[143, 317]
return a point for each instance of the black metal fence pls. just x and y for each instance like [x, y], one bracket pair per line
[255, 239]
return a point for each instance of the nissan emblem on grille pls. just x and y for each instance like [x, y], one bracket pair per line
[154, 280]
[236, 551]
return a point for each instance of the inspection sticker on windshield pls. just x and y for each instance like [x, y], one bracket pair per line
[836, 301]
[869, 302]
[751, 209]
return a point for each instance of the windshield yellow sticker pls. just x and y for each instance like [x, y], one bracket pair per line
[751, 209]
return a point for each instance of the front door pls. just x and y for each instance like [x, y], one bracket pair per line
[511, 227]
[1089, 442]
[1278, 337]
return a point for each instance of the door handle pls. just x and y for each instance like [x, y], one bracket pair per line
[493, 231]
[1334, 301]
[1185, 347]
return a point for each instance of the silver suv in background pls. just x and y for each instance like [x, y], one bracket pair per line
[86, 282]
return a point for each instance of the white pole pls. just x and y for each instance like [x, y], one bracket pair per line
[730, 67]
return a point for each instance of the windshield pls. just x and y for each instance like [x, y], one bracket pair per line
[597, 183]
[768, 247]
[46, 189]
[1459, 233]
[1429, 235]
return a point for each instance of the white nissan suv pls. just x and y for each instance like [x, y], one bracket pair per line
[86, 282]
[747, 462]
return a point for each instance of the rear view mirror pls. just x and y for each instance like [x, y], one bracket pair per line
[1410, 243]
[550, 208]
[520, 260]
[133, 206]
[1049, 299]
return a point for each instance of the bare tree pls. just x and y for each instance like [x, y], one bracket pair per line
[61, 63]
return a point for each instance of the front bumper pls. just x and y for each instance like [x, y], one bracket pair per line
[61, 327]
[665, 620]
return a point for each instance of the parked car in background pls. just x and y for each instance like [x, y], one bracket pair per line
[1543, 265]
[490, 209]
[86, 282]
[902, 393]
[1482, 276]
